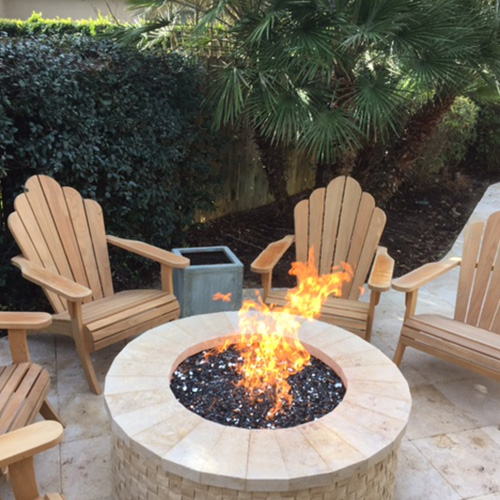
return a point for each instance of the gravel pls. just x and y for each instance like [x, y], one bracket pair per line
[206, 385]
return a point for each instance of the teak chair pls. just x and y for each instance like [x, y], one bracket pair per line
[64, 250]
[471, 339]
[23, 385]
[342, 224]
[17, 449]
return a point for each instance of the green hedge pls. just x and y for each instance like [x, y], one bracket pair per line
[120, 126]
[37, 25]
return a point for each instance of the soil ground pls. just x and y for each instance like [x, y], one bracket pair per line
[421, 227]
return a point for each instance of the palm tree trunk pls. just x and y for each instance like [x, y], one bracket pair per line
[273, 159]
[385, 176]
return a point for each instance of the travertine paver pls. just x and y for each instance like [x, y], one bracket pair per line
[417, 477]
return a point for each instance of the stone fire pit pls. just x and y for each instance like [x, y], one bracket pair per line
[161, 450]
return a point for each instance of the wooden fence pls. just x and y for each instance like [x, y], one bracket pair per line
[243, 180]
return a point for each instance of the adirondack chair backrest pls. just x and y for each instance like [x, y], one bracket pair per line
[59, 230]
[342, 224]
[478, 296]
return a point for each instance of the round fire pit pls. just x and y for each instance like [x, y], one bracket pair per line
[161, 450]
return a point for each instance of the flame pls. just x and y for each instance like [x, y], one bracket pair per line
[269, 345]
[220, 296]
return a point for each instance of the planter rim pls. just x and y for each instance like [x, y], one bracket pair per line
[184, 252]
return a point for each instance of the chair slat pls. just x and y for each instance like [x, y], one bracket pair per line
[29, 251]
[59, 210]
[30, 225]
[455, 353]
[142, 326]
[138, 317]
[121, 301]
[350, 205]
[349, 314]
[41, 213]
[316, 214]
[333, 204]
[301, 218]
[487, 256]
[78, 217]
[119, 315]
[35, 391]
[472, 242]
[20, 384]
[371, 242]
[98, 234]
[492, 299]
[10, 379]
[455, 331]
[359, 235]
[495, 324]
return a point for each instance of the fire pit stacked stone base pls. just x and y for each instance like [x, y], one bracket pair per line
[163, 451]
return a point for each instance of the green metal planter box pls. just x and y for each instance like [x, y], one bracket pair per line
[212, 270]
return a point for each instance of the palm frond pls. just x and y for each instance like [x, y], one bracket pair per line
[229, 93]
[328, 133]
[136, 35]
[378, 103]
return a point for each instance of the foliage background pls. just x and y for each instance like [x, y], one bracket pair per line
[122, 127]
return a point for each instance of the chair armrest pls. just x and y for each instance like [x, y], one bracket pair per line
[419, 277]
[270, 256]
[24, 320]
[28, 441]
[382, 271]
[64, 287]
[149, 251]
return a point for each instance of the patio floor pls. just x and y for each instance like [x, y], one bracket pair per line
[452, 446]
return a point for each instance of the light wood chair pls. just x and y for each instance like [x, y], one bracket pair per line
[342, 224]
[23, 385]
[17, 449]
[64, 250]
[471, 339]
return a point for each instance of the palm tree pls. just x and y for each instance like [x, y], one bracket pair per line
[339, 79]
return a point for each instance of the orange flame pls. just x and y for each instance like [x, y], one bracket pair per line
[269, 343]
[221, 296]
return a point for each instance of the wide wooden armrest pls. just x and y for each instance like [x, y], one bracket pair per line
[271, 255]
[382, 271]
[24, 320]
[149, 251]
[56, 283]
[419, 277]
[28, 441]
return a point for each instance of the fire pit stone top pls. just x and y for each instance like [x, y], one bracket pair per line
[361, 431]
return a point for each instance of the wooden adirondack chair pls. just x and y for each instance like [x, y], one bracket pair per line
[23, 385]
[17, 449]
[341, 224]
[64, 249]
[471, 339]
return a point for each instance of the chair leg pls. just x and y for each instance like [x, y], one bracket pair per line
[75, 312]
[400, 350]
[23, 479]
[88, 368]
[49, 413]
[374, 300]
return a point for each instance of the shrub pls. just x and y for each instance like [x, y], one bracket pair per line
[120, 126]
[446, 149]
[487, 147]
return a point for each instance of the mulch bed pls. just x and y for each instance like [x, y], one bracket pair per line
[421, 227]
